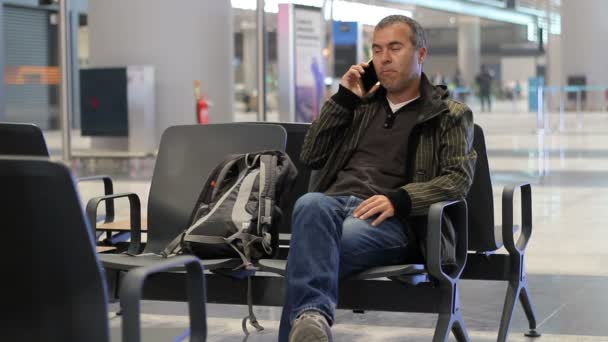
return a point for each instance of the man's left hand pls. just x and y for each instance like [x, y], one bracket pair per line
[377, 204]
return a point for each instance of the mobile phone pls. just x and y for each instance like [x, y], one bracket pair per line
[369, 78]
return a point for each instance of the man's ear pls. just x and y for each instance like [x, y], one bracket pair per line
[421, 55]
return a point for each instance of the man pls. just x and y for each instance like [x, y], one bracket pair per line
[384, 157]
[484, 81]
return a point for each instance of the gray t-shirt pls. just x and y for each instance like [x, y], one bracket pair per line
[378, 164]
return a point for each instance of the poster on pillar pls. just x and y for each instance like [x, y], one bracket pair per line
[309, 64]
[301, 55]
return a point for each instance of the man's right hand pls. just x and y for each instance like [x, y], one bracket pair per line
[352, 79]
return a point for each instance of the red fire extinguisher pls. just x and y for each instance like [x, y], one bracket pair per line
[202, 106]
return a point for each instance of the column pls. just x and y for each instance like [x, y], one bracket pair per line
[583, 45]
[183, 40]
[249, 62]
[469, 48]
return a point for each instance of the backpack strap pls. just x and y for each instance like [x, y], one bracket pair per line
[198, 220]
[174, 247]
[240, 216]
[213, 181]
[268, 165]
[246, 238]
[221, 175]
[251, 317]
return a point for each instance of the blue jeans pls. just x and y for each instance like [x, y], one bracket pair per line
[328, 243]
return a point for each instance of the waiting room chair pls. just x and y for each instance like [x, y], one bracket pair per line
[435, 288]
[485, 239]
[20, 139]
[177, 180]
[55, 289]
[186, 156]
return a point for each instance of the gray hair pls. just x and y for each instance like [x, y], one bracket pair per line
[418, 37]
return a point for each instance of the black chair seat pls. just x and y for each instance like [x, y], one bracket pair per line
[125, 262]
[390, 271]
[279, 267]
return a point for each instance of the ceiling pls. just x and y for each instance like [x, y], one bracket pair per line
[428, 18]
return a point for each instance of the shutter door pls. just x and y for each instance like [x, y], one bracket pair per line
[30, 80]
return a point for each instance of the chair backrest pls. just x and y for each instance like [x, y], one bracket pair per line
[295, 139]
[22, 139]
[186, 156]
[480, 199]
[54, 285]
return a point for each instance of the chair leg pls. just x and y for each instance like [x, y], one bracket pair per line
[507, 311]
[526, 303]
[112, 283]
[459, 330]
[450, 323]
[442, 330]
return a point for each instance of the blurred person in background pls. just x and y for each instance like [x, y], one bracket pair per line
[484, 82]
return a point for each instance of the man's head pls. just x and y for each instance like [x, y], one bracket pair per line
[399, 50]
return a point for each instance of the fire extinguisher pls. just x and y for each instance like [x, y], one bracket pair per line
[202, 106]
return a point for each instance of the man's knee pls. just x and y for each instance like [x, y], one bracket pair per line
[312, 201]
[312, 213]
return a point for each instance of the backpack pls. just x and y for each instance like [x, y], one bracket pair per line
[237, 211]
[237, 214]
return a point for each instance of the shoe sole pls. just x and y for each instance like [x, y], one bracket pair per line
[309, 334]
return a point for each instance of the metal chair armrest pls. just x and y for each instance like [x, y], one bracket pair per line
[457, 211]
[108, 189]
[132, 289]
[135, 216]
[508, 238]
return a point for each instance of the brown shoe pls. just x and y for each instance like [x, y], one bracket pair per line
[310, 326]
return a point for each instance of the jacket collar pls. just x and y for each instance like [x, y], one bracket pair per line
[431, 99]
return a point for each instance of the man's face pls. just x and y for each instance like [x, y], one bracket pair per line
[396, 60]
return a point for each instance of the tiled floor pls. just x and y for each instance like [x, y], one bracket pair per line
[567, 258]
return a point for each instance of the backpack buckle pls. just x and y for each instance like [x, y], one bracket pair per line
[266, 219]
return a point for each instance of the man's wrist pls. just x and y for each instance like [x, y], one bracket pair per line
[346, 98]
[401, 201]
